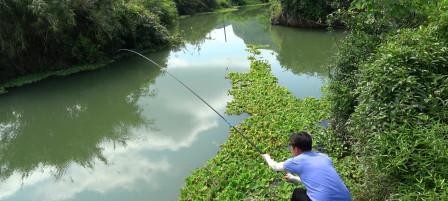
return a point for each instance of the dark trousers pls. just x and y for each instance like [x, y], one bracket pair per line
[299, 195]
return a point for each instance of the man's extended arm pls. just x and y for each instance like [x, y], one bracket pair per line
[273, 164]
[281, 167]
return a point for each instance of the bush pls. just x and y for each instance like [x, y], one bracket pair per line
[304, 13]
[368, 29]
[389, 98]
[188, 7]
[355, 50]
[43, 35]
[165, 9]
[402, 95]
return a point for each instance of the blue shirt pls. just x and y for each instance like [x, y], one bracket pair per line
[317, 173]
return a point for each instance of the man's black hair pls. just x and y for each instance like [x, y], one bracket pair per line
[301, 140]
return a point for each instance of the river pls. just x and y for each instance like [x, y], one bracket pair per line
[130, 132]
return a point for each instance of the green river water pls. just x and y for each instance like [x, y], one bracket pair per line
[128, 131]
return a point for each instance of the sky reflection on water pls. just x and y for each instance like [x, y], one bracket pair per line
[128, 131]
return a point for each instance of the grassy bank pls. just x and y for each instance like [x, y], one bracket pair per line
[32, 78]
[36, 77]
[238, 172]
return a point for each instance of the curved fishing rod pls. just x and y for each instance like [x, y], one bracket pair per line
[200, 98]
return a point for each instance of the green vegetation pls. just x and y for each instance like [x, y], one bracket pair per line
[387, 101]
[51, 35]
[188, 7]
[305, 13]
[42, 38]
[238, 172]
[389, 97]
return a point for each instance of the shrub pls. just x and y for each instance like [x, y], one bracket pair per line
[402, 94]
[187, 7]
[43, 35]
[389, 98]
[369, 27]
[304, 13]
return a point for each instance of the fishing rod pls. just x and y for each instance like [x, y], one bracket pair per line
[199, 97]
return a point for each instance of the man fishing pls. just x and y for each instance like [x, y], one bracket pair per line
[315, 170]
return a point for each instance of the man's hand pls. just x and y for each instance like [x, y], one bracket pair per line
[292, 179]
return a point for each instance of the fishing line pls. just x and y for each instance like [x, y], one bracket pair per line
[197, 95]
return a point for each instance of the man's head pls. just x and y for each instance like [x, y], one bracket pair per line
[300, 142]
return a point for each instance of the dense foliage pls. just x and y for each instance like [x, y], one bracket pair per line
[40, 36]
[389, 97]
[194, 6]
[186, 7]
[304, 13]
[238, 172]
[47, 35]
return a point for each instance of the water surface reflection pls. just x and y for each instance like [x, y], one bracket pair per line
[129, 132]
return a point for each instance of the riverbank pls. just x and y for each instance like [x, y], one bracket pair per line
[36, 77]
[29, 79]
[307, 14]
[238, 172]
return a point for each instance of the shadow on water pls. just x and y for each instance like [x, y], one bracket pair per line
[299, 50]
[309, 51]
[59, 124]
[299, 57]
[195, 33]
